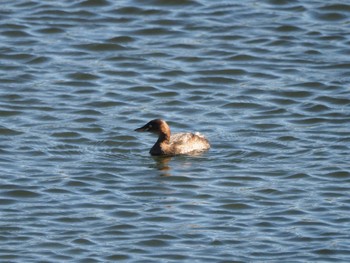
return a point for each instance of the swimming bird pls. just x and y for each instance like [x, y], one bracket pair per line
[179, 143]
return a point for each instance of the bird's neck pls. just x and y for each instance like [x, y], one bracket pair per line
[164, 137]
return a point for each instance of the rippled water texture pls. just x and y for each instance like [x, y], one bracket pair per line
[266, 81]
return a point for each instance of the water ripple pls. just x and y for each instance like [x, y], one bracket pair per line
[266, 82]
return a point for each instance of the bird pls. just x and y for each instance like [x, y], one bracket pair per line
[176, 144]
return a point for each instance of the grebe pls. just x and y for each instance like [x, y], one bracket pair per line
[179, 143]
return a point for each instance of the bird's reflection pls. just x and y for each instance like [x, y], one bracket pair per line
[162, 164]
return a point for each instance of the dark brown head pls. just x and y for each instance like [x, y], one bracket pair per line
[156, 126]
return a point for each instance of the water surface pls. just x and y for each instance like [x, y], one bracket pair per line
[266, 81]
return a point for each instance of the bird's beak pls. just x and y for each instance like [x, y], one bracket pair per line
[142, 129]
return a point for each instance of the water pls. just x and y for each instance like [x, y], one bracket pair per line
[266, 81]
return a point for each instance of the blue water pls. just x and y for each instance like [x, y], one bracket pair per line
[267, 82]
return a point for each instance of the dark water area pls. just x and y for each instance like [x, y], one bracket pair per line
[266, 81]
